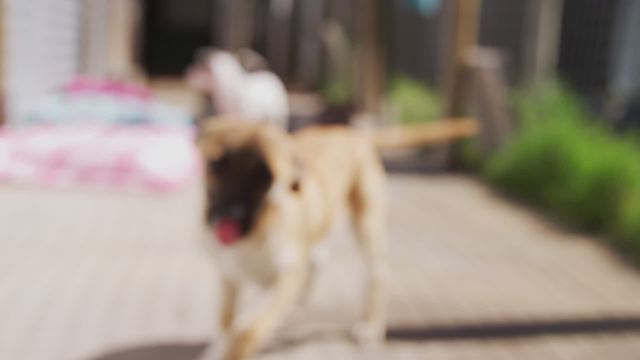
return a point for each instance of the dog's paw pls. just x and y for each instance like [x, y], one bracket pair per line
[214, 351]
[368, 335]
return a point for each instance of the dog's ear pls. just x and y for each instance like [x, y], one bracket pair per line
[208, 138]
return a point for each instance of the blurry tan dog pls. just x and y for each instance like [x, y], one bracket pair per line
[271, 198]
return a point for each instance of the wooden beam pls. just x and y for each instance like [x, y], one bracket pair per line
[418, 135]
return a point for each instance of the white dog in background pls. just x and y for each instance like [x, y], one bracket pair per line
[258, 95]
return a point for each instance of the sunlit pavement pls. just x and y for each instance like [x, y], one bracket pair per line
[93, 276]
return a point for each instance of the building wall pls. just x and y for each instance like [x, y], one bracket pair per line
[2, 61]
[42, 49]
[586, 44]
[503, 26]
[625, 65]
[414, 37]
[413, 42]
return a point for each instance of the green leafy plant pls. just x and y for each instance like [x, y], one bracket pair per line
[572, 165]
[412, 101]
[337, 92]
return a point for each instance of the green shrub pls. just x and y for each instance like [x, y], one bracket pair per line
[337, 92]
[571, 165]
[412, 101]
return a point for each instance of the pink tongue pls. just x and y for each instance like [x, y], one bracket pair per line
[227, 230]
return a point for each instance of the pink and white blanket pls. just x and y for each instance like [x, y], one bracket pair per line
[123, 158]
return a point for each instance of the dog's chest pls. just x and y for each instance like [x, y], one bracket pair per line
[253, 262]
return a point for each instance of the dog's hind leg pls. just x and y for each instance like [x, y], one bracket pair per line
[368, 211]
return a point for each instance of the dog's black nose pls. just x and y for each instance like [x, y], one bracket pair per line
[236, 212]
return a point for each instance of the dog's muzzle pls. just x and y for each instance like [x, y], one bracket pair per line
[228, 225]
[227, 231]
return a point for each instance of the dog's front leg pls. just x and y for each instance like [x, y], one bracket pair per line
[226, 316]
[227, 306]
[250, 338]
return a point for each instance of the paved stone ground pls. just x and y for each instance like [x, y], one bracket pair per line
[99, 276]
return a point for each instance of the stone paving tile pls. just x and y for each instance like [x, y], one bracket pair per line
[86, 275]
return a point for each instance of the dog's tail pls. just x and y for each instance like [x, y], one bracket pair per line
[411, 136]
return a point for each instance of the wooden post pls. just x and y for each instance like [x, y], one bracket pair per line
[487, 97]
[369, 57]
[94, 37]
[109, 31]
[232, 23]
[240, 24]
[218, 31]
[278, 35]
[121, 57]
[309, 41]
[460, 32]
[459, 29]
[542, 41]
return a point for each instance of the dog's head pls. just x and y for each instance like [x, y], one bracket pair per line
[249, 173]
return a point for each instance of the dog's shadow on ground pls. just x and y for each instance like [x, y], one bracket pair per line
[456, 332]
[156, 352]
[190, 351]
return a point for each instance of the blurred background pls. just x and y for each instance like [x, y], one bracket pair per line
[509, 130]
